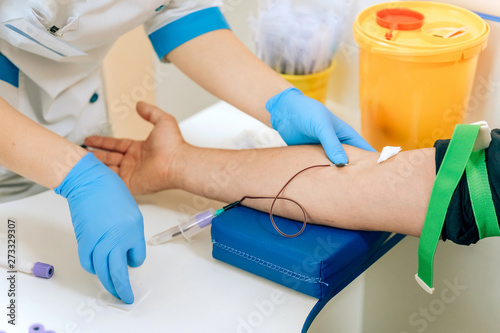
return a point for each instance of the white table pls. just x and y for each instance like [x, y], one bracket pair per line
[189, 291]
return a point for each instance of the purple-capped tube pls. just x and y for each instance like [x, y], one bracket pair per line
[186, 228]
[37, 328]
[38, 269]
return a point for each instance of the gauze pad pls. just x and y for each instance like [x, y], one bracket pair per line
[387, 153]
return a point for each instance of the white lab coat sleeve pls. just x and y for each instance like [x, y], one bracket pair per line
[182, 20]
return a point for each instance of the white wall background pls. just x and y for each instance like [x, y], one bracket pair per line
[392, 301]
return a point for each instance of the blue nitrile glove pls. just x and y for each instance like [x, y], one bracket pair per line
[107, 222]
[303, 120]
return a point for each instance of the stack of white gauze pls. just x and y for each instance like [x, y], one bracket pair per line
[298, 37]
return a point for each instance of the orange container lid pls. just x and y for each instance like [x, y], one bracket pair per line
[415, 29]
[399, 19]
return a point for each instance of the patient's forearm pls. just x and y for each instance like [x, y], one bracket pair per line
[364, 195]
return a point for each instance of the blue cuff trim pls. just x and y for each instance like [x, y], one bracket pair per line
[488, 17]
[8, 71]
[186, 28]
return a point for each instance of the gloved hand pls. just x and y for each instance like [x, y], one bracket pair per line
[303, 120]
[107, 222]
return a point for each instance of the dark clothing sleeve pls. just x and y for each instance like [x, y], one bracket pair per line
[460, 225]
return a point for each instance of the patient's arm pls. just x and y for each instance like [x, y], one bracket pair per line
[391, 196]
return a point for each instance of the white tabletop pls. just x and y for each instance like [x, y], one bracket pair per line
[189, 291]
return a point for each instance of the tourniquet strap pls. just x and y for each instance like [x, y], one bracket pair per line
[447, 179]
[480, 195]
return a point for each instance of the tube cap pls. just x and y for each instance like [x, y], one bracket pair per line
[42, 270]
[37, 328]
[205, 218]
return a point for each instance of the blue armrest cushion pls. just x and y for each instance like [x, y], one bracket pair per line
[313, 263]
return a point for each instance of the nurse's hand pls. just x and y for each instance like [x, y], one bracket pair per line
[144, 166]
[107, 222]
[303, 120]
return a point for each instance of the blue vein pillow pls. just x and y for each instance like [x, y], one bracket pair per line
[313, 263]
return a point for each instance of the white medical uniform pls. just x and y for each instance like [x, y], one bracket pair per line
[51, 53]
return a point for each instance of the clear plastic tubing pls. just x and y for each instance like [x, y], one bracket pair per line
[186, 228]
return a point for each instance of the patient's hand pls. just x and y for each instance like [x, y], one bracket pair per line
[145, 166]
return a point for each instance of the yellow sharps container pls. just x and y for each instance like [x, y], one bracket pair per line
[417, 63]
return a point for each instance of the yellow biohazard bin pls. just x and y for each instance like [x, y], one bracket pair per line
[417, 63]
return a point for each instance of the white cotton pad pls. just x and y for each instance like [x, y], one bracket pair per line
[141, 291]
[387, 153]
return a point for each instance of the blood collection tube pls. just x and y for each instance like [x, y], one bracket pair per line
[187, 228]
[38, 269]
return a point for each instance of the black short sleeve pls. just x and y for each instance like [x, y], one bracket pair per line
[460, 225]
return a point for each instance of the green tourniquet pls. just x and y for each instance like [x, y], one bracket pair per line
[480, 195]
[447, 179]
